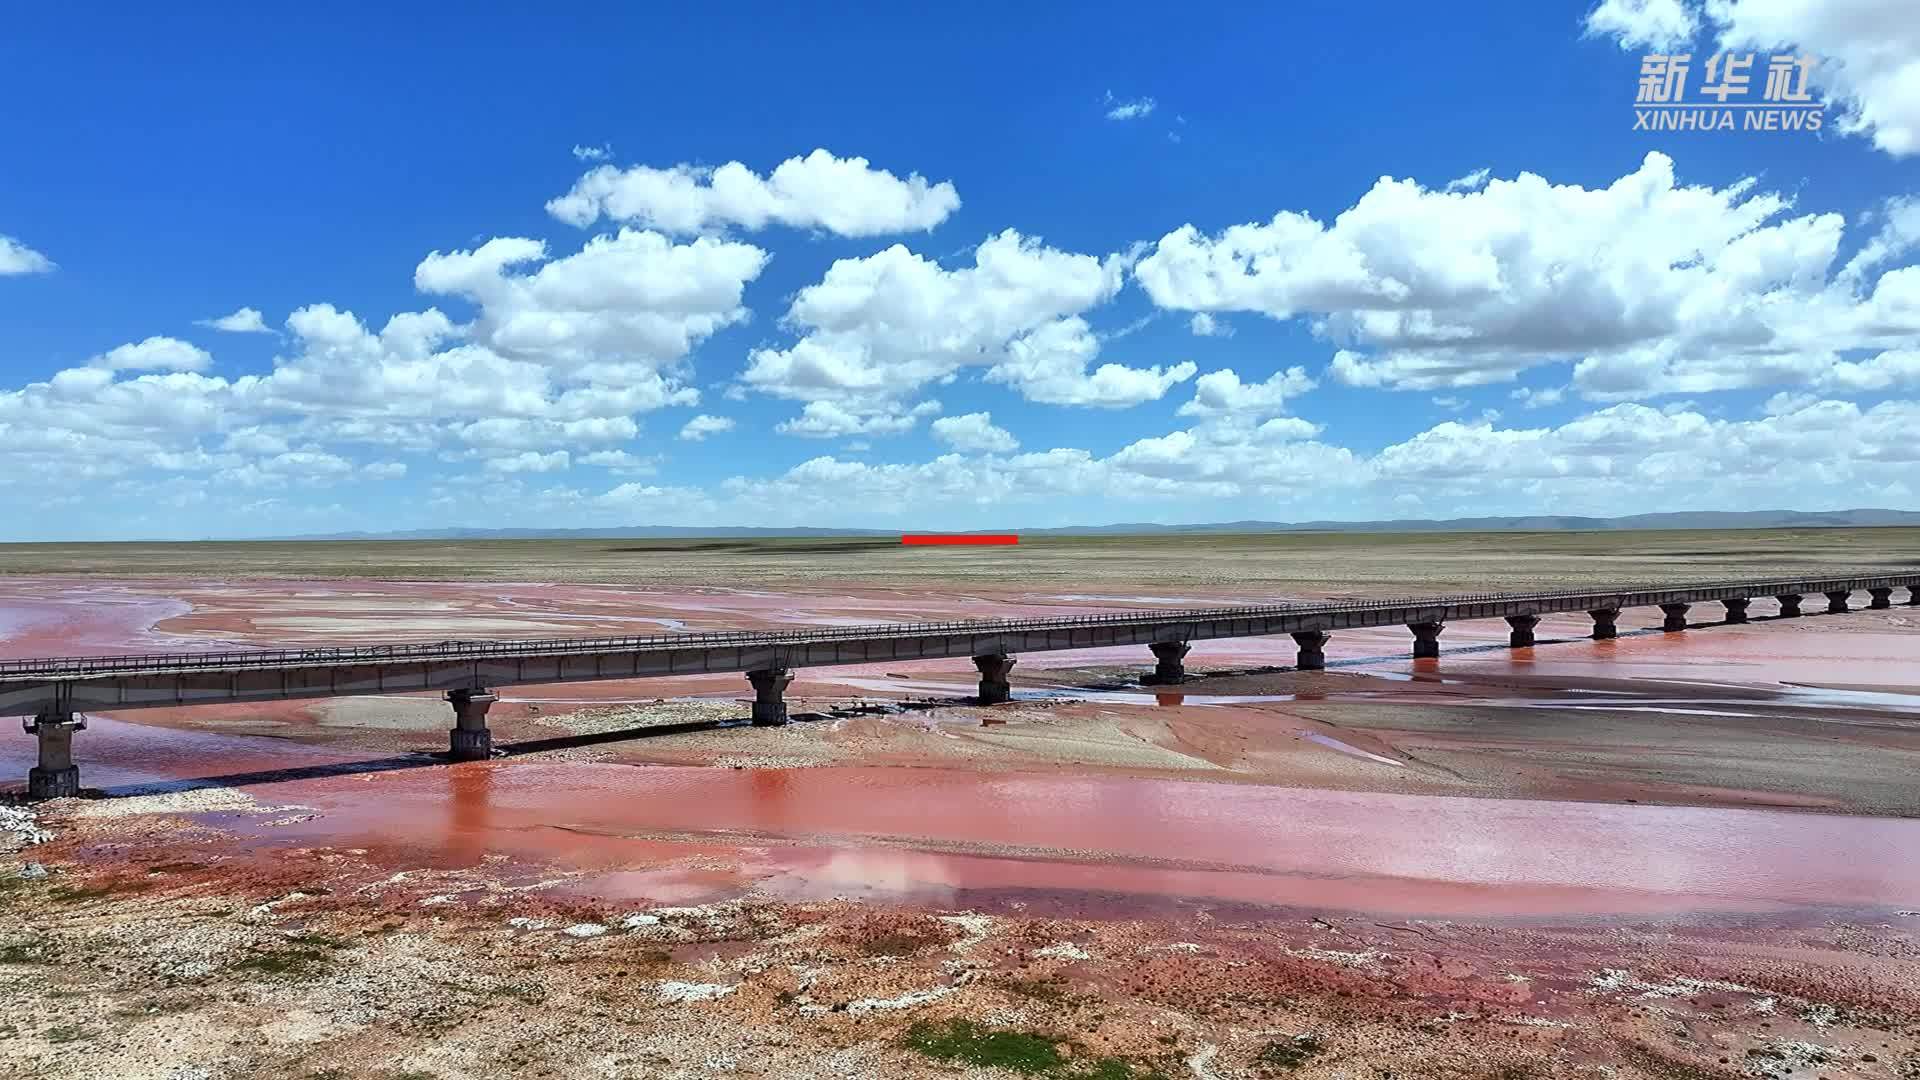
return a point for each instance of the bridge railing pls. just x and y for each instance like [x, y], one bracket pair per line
[454, 651]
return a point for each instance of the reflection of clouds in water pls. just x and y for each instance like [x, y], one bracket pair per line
[673, 885]
[862, 874]
[1767, 855]
[1690, 855]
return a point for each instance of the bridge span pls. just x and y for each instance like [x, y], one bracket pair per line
[54, 694]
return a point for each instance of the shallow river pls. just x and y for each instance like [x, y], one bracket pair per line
[677, 834]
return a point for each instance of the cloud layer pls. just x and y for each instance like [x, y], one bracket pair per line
[559, 381]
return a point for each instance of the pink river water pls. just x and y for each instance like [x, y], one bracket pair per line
[936, 835]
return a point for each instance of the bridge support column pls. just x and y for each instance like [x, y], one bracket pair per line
[1789, 605]
[56, 776]
[1313, 649]
[1426, 639]
[1676, 617]
[470, 740]
[1736, 609]
[1604, 623]
[1882, 598]
[994, 669]
[1521, 636]
[1169, 667]
[769, 696]
[1837, 601]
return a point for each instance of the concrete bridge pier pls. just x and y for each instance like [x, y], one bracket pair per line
[470, 740]
[56, 776]
[994, 669]
[1676, 617]
[1521, 636]
[1837, 602]
[1426, 639]
[1882, 599]
[1605, 622]
[769, 696]
[1789, 605]
[1736, 609]
[1313, 649]
[1169, 667]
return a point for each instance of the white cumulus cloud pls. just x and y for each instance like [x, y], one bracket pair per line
[877, 329]
[830, 420]
[18, 258]
[1221, 393]
[974, 433]
[529, 461]
[847, 196]
[1648, 285]
[153, 354]
[1051, 366]
[1643, 23]
[704, 425]
[620, 309]
[1135, 109]
[1204, 324]
[244, 321]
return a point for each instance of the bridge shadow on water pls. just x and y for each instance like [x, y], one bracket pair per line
[423, 759]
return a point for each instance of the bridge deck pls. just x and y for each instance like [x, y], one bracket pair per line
[33, 687]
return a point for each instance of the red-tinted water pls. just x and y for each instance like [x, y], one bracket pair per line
[84, 618]
[911, 832]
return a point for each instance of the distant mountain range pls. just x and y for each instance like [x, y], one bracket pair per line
[1691, 519]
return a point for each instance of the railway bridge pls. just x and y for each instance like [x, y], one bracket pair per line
[54, 694]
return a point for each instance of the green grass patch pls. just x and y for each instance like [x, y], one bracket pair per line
[1116, 1069]
[75, 894]
[1047, 990]
[320, 941]
[967, 1043]
[525, 992]
[1287, 1053]
[300, 955]
[25, 951]
[302, 962]
[963, 1042]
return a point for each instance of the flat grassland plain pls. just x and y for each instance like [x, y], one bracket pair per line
[1314, 562]
[1675, 855]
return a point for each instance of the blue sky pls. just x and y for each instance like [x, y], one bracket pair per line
[1023, 268]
